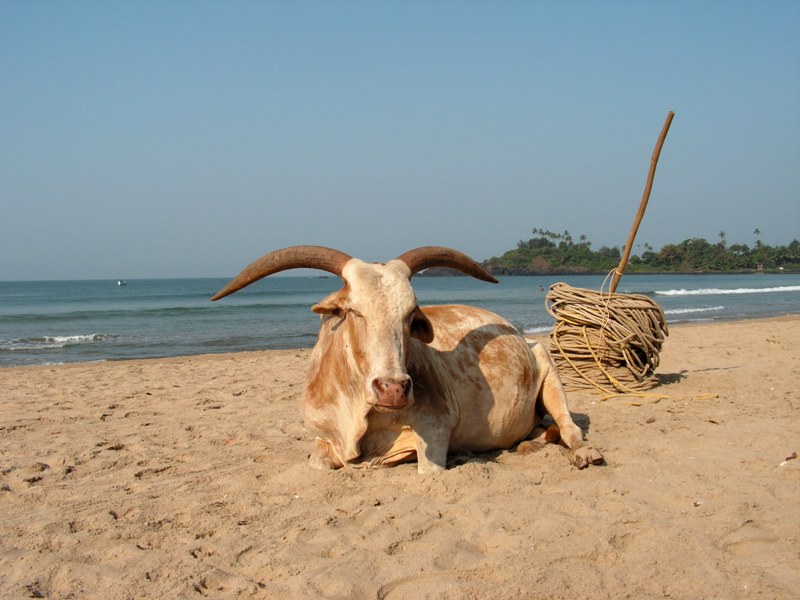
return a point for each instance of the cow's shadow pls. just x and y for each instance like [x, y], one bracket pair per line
[459, 459]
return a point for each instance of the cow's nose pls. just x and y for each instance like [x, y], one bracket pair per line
[392, 393]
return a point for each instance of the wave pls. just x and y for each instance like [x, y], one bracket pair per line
[686, 311]
[537, 329]
[719, 291]
[51, 342]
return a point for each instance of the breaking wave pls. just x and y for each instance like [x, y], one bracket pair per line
[719, 291]
[50, 342]
[537, 329]
[686, 311]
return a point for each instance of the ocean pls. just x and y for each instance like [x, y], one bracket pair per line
[51, 322]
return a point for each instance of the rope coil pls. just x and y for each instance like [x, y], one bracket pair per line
[609, 341]
[606, 341]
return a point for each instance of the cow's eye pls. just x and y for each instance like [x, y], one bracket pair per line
[352, 311]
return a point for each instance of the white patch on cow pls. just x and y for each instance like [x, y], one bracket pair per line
[382, 295]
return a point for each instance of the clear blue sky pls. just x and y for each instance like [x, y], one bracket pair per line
[177, 138]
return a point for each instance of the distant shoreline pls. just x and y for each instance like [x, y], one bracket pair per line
[436, 272]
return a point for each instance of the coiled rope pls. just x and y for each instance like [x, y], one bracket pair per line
[610, 342]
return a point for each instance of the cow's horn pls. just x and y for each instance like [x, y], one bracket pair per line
[294, 257]
[437, 256]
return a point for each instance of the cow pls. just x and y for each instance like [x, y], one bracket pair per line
[390, 381]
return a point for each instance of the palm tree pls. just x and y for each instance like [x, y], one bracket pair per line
[722, 235]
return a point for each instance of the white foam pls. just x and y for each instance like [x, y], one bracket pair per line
[72, 339]
[686, 311]
[716, 291]
[49, 342]
[540, 329]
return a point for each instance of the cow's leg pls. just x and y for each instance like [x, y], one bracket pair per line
[323, 457]
[554, 399]
[431, 444]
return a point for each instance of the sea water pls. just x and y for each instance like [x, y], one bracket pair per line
[46, 322]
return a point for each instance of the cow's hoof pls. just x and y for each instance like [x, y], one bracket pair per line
[323, 463]
[585, 456]
[429, 468]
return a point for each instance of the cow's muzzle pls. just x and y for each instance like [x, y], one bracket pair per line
[392, 394]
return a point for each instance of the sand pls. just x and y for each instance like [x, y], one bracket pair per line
[187, 477]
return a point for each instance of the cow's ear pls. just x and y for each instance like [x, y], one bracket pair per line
[330, 306]
[421, 327]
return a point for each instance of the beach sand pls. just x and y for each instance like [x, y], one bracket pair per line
[187, 477]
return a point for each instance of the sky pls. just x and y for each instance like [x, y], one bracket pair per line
[187, 138]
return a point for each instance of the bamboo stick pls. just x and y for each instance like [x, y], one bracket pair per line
[642, 206]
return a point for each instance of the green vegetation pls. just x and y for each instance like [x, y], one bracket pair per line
[558, 253]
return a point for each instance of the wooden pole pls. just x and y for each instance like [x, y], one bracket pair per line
[642, 206]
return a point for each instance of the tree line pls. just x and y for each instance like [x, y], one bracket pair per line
[550, 253]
